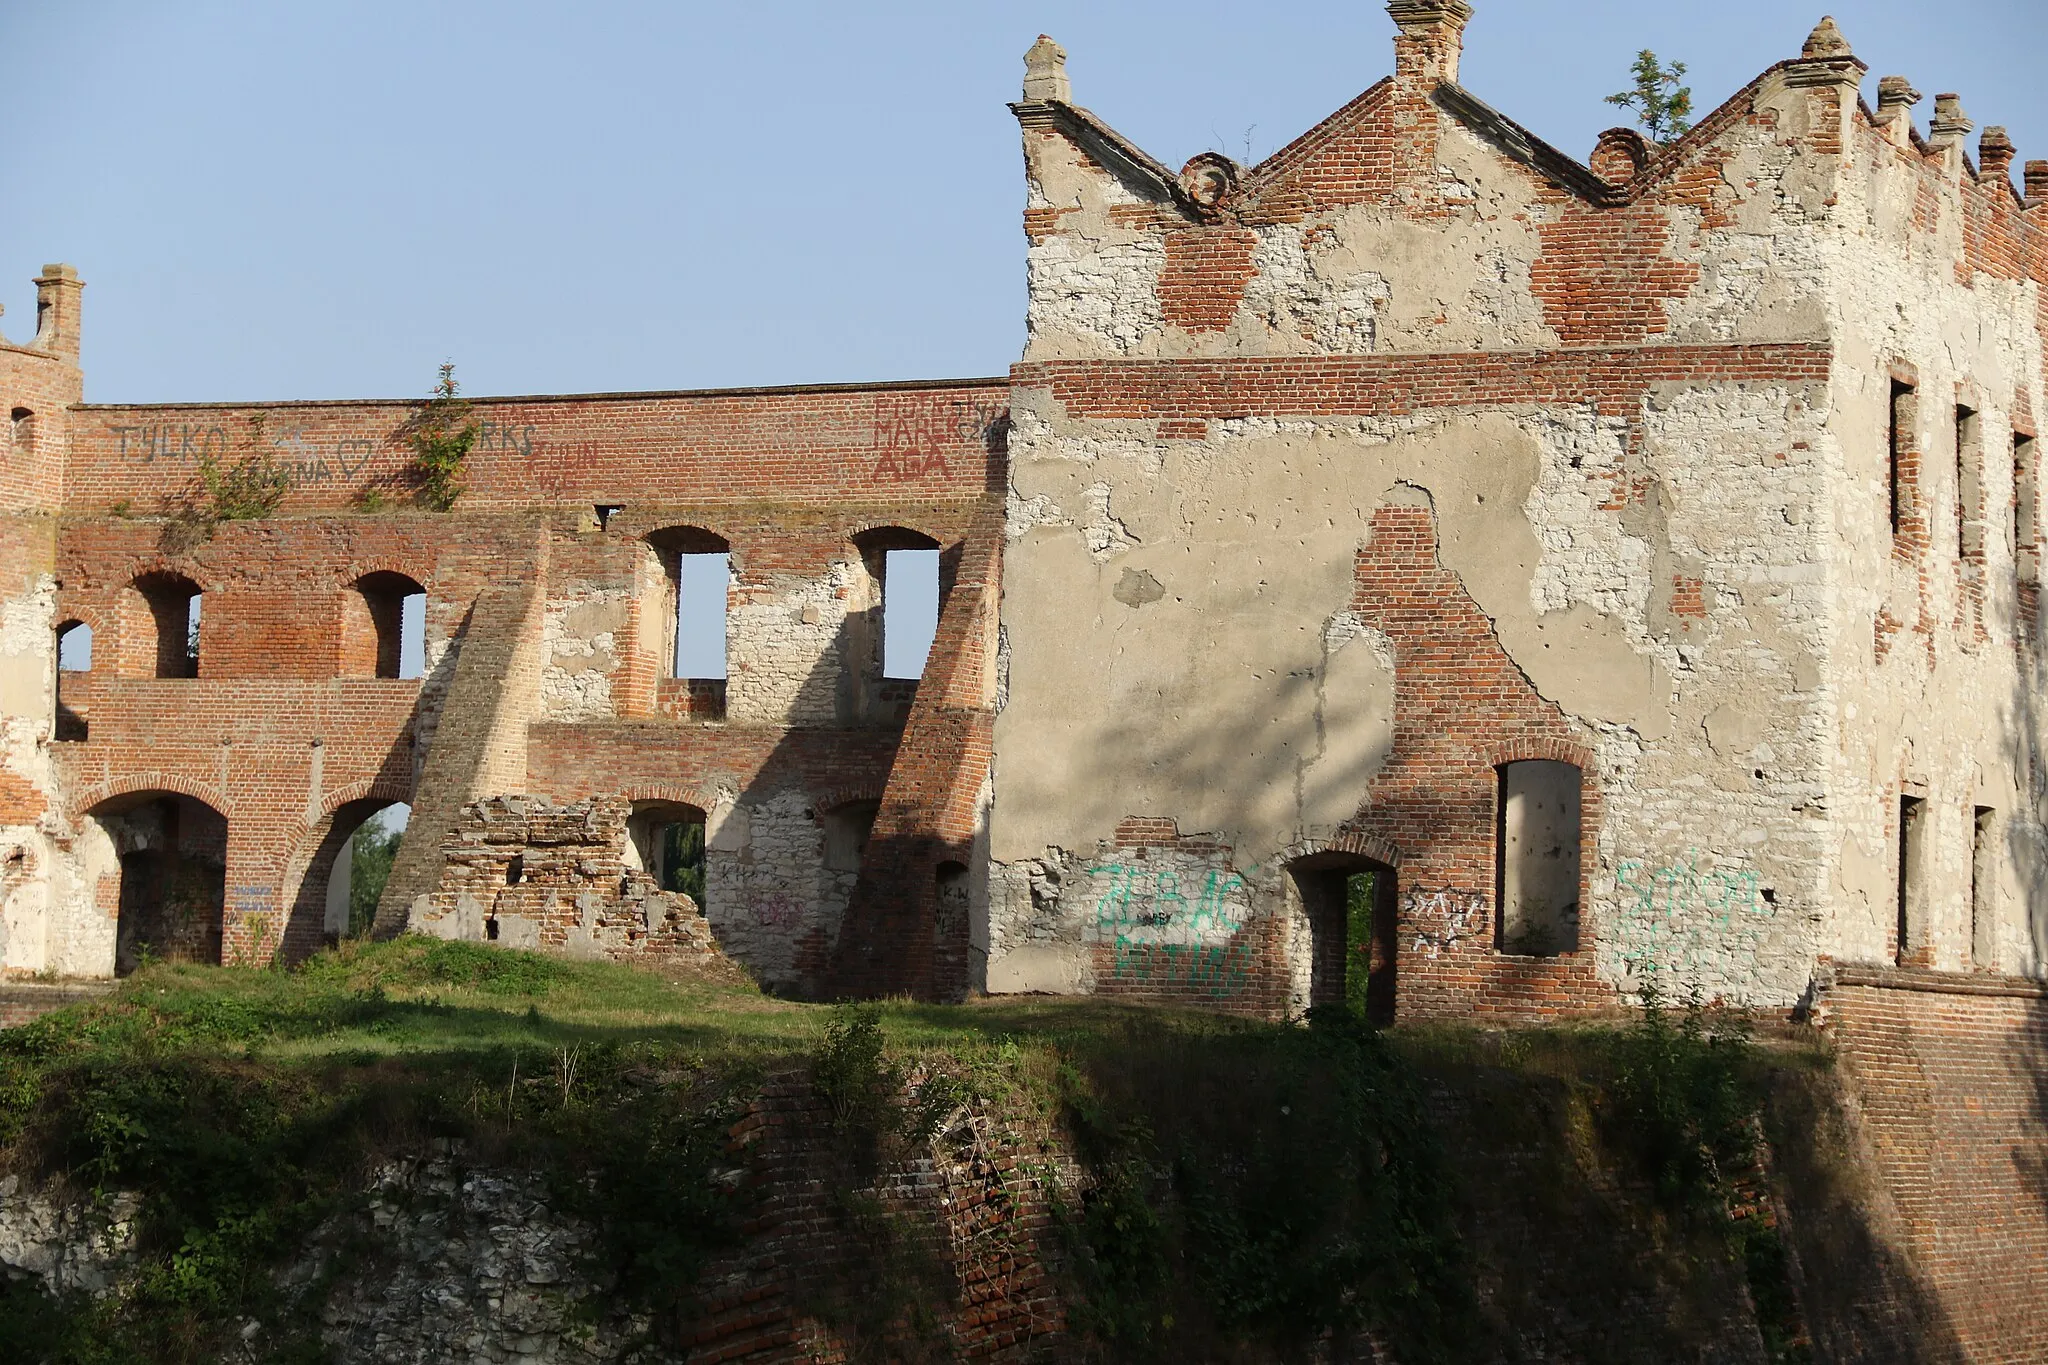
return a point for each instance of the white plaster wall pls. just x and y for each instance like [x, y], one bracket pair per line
[767, 886]
[785, 644]
[583, 643]
[1966, 727]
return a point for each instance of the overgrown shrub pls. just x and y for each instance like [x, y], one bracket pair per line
[248, 488]
[1290, 1174]
[1683, 1101]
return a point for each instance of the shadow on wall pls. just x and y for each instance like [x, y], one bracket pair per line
[848, 851]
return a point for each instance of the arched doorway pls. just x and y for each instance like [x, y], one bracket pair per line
[1351, 904]
[361, 865]
[172, 853]
[344, 874]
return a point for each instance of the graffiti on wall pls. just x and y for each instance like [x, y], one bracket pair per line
[1674, 916]
[1443, 919]
[776, 909]
[1166, 931]
[307, 459]
[913, 431]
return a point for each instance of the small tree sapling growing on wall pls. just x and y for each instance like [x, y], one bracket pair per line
[1661, 104]
[441, 432]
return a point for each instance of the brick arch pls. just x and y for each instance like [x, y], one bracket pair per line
[363, 789]
[1523, 749]
[303, 904]
[356, 570]
[166, 566]
[91, 617]
[856, 530]
[669, 791]
[1357, 841]
[100, 793]
[832, 798]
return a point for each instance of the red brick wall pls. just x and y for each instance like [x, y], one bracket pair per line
[1951, 1077]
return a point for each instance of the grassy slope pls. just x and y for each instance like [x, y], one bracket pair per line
[1462, 1195]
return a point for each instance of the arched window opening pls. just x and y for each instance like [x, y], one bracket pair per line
[385, 636]
[1537, 827]
[1350, 904]
[74, 685]
[172, 852]
[665, 839]
[22, 429]
[174, 605]
[847, 828]
[362, 865]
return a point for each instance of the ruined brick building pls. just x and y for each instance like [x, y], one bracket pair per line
[1633, 563]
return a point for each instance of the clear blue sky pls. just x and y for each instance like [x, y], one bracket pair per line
[320, 199]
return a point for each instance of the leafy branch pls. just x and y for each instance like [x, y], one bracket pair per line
[1660, 103]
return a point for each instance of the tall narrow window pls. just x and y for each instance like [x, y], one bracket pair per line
[910, 611]
[74, 665]
[1912, 866]
[1537, 858]
[22, 429]
[1899, 438]
[1969, 489]
[1984, 888]
[702, 583]
[2026, 549]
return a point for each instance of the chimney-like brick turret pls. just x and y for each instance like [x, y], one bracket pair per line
[57, 298]
[1431, 37]
[1994, 153]
[2037, 184]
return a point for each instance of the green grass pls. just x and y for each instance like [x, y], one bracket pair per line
[1245, 1182]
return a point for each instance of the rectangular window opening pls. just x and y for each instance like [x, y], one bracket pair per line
[412, 635]
[1902, 409]
[910, 611]
[1969, 493]
[1912, 864]
[1984, 888]
[702, 584]
[192, 636]
[1538, 831]
[2026, 549]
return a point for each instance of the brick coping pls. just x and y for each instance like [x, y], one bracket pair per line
[487, 400]
[1932, 982]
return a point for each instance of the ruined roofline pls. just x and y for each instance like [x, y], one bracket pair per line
[1109, 148]
[1257, 177]
[753, 391]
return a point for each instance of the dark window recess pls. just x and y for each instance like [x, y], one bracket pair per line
[1984, 888]
[1903, 408]
[847, 828]
[1912, 865]
[173, 602]
[667, 838]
